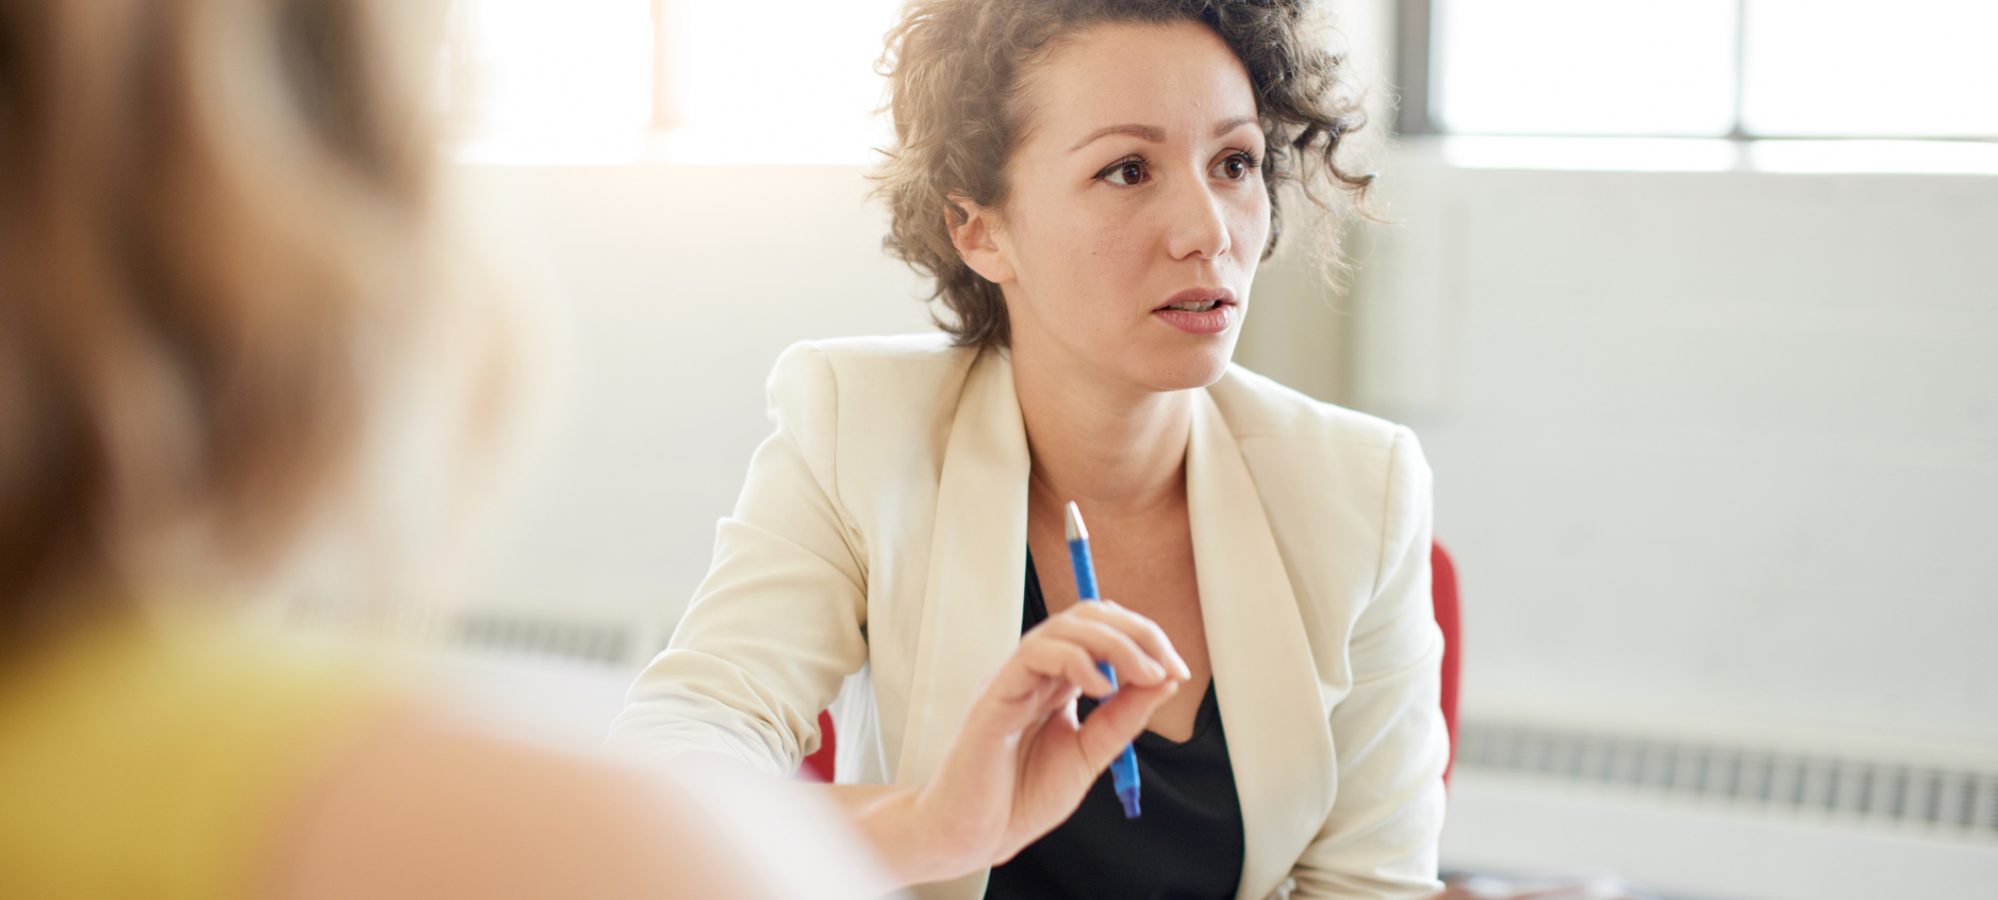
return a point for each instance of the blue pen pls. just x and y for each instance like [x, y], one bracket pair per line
[1123, 770]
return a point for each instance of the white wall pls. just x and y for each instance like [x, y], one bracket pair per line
[675, 289]
[1711, 447]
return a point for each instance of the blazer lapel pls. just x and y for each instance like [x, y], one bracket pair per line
[978, 561]
[1279, 740]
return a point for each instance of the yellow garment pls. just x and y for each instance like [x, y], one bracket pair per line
[162, 763]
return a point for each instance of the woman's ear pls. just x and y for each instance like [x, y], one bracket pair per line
[976, 237]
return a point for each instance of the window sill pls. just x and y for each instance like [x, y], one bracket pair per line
[1603, 154]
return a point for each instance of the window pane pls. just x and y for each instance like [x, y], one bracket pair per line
[1584, 66]
[534, 80]
[793, 82]
[1844, 67]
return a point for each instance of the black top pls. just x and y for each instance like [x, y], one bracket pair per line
[1187, 845]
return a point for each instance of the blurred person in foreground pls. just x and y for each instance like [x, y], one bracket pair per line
[219, 256]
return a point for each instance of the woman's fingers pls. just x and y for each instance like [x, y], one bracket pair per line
[1039, 672]
[1116, 639]
[1063, 653]
[1054, 657]
[1118, 721]
[1144, 631]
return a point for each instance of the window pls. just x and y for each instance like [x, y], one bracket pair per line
[1920, 68]
[787, 81]
[1701, 68]
[530, 80]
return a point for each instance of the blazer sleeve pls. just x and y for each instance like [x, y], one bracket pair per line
[780, 618]
[1380, 839]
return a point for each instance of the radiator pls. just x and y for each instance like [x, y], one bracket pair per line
[1721, 818]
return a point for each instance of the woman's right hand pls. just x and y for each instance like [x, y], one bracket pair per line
[1021, 762]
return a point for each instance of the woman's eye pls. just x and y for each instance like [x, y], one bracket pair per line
[1125, 174]
[1235, 166]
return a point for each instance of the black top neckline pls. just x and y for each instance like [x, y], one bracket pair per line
[1035, 611]
[1190, 844]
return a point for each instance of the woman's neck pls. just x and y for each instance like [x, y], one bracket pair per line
[1117, 450]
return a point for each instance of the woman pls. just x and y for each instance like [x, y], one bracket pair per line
[217, 256]
[1092, 185]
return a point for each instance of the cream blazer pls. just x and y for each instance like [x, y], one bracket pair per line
[878, 553]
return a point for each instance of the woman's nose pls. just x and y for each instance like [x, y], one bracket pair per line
[1197, 227]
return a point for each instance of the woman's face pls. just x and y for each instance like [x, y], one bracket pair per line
[1136, 188]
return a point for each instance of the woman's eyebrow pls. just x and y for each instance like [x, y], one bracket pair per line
[1151, 133]
[1155, 134]
[1228, 125]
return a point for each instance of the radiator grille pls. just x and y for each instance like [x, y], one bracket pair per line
[1961, 801]
[601, 642]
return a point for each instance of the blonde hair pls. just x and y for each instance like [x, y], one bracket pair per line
[216, 235]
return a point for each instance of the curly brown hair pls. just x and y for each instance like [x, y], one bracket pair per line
[955, 89]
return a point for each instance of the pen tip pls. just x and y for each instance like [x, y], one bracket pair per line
[1128, 796]
[1076, 532]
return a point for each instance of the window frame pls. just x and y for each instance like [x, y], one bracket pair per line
[1414, 67]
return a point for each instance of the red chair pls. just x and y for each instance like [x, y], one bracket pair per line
[1442, 592]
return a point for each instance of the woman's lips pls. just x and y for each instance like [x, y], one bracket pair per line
[1212, 321]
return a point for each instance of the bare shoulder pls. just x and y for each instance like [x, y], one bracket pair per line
[420, 806]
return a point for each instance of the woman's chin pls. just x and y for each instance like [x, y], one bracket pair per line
[1186, 370]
